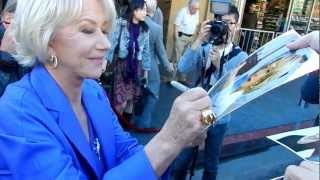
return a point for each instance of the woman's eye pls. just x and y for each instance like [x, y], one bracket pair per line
[87, 31]
[106, 32]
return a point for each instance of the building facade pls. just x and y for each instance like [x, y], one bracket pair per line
[262, 20]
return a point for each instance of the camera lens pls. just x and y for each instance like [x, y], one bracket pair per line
[219, 32]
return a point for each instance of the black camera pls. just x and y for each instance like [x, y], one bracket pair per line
[219, 32]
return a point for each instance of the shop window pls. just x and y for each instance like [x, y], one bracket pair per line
[300, 15]
[269, 15]
[315, 20]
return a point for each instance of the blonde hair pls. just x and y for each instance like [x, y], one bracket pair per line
[36, 22]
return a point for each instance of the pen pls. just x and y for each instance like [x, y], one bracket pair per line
[179, 86]
[184, 88]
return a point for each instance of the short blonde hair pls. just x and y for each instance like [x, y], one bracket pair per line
[36, 22]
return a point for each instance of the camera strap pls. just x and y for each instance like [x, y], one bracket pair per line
[234, 52]
[222, 61]
[203, 69]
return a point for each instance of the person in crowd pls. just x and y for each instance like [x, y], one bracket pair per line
[6, 16]
[121, 7]
[309, 93]
[208, 63]
[306, 170]
[250, 18]
[310, 89]
[158, 55]
[309, 40]
[57, 123]
[10, 70]
[130, 54]
[249, 21]
[185, 26]
[157, 16]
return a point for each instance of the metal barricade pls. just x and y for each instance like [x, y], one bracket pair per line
[251, 39]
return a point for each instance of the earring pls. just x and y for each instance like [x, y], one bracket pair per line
[54, 61]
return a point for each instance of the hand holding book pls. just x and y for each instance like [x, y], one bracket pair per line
[309, 40]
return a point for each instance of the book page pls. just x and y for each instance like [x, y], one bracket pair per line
[265, 69]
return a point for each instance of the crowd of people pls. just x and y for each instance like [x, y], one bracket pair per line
[58, 120]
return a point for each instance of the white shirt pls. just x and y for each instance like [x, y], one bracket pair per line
[186, 22]
[214, 76]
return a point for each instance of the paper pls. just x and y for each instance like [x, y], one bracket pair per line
[292, 141]
[267, 68]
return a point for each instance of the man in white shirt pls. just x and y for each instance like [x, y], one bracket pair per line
[185, 26]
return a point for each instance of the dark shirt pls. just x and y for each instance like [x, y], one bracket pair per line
[249, 20]
[10, 70]
[310, 89]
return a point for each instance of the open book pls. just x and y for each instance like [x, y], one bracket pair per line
[267, 68]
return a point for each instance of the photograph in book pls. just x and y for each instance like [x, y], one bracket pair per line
[265, 69]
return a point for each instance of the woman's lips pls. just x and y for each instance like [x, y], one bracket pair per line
[97, 60]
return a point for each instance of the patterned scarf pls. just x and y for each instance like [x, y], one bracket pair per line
[131, 70]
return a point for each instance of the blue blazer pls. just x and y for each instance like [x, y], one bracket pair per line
[40, 136]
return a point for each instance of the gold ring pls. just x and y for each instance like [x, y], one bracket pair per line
[207, 116]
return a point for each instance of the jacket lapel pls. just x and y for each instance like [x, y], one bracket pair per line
[101, 118]
[54, 99]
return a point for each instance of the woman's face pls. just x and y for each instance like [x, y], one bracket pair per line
[140, 14]
[81, 46]
[230, 19]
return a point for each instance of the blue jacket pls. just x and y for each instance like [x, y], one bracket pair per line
[41, 138]
[158, 55]
[120, 31]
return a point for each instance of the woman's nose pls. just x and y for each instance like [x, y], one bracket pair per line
[104, 43]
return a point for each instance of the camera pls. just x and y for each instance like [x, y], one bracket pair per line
[219, 32]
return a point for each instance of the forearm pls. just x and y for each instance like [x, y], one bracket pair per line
[161, 152]
[196, 44]
[162, 53]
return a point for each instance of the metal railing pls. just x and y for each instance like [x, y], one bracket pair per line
[251, 39]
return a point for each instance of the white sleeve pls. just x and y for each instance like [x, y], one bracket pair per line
[179, 17]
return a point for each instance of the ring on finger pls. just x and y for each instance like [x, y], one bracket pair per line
[207, 117]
